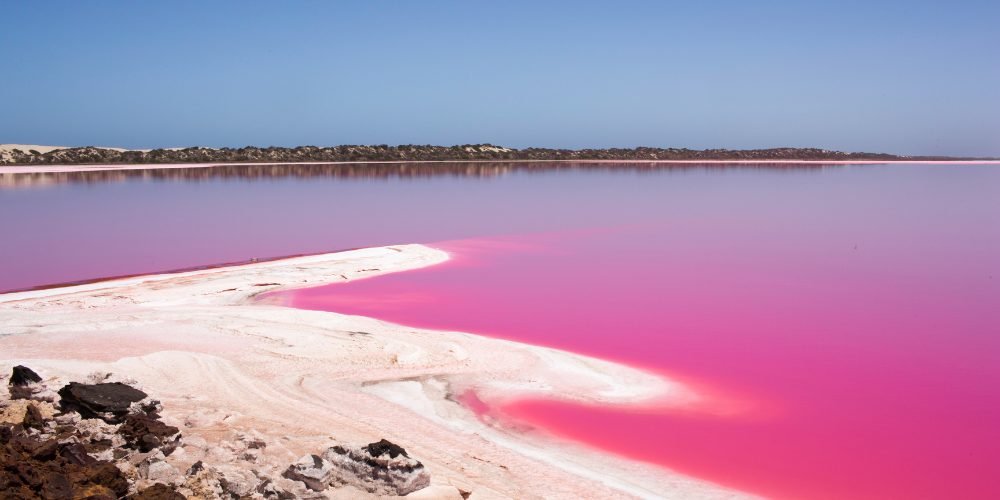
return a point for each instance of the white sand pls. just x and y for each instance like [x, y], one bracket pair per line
[4, 148]
[222, 364]
[7, 149]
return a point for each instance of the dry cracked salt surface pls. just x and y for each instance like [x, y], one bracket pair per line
[231, 369]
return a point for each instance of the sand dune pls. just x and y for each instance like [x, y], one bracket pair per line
[224, 363]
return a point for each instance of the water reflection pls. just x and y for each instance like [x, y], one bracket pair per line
[254, 172]
[73, 226]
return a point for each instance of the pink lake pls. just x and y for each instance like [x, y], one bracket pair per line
[844, 319]
[850, 335]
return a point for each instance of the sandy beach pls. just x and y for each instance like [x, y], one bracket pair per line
[226, 364]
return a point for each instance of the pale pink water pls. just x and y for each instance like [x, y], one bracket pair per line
[845, 319]
[853, 344]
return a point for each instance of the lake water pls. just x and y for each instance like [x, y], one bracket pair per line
[844, 321]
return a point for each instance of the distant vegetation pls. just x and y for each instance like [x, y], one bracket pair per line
[472, 152]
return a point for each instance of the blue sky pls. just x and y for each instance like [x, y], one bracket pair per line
[903, 77]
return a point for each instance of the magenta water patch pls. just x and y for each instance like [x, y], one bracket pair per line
[858, 361]
[843, 320]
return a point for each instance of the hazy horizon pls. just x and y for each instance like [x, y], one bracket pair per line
[910, 78]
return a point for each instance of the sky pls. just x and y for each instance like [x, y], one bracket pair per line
[908, 77]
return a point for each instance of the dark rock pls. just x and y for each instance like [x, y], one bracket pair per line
[22, 376]
[46, 450]
[383, 446]
[224, 486]
[57, 485]
[150, 407]
[158, 491]
[17, 493]
[98, 445]
[31, 467]
[382, 468]
[76, 454]
[33, 418]
[148, 442]
[94, 492]
[256, 444]
[28, 474]
[107, 475]
[107, 401]
[24, 383]
[145, 433]
[195, 468]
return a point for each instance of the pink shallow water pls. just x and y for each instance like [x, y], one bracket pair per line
[853, 358]
[843, 320]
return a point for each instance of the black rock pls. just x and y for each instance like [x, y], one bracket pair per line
[46, 450]
[33, 418]
[56, 485]
[22, 376]
[108, 475]
[107, 401]
[158, 491]
[36, 465]
[76, 453]
[195, 468]
[382, 447]
[146, 433]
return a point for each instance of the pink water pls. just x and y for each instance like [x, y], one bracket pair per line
[844, 320]
[850, 352]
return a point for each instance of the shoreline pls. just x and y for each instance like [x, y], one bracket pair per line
[224, 362]
[45, 169]
[165, 272]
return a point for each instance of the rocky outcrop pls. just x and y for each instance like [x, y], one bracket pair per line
[145, 432]
[107, 401]
[311, 470]
[22, 376]
[381, 468]
[81, 452]
[24, 383]
[35, 465]
[106, 440]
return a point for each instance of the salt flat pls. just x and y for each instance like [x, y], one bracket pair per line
[225, 363]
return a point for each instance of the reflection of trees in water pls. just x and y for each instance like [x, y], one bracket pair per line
[372, 171]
